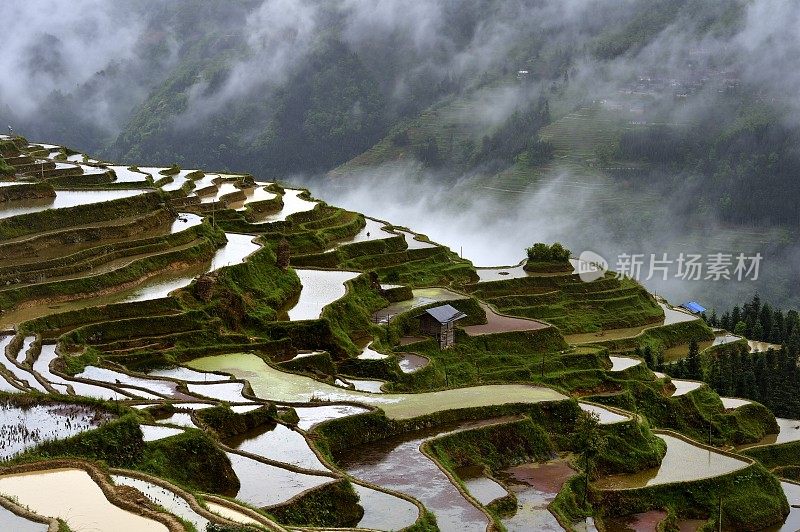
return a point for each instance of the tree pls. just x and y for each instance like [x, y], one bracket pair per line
[693, 369]
[649, 358]
[541, 252]
[590, 441]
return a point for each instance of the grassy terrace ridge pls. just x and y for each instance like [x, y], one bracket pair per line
[570, 304]
[233, 321]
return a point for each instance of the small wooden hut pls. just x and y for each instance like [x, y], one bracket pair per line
[439, 323]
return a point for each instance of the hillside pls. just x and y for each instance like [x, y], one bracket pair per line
[248, 353]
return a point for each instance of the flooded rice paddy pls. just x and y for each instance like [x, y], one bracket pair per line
[228, 391]
[167, 499]
[500, 323]
[365, 385]
[370, 354]
[94, 373]
[683, 387]
[684, 462]
[671, 316]
[182, 419]
[182, 373]
[320, 289]
[373, 230]
[280, 443]
[734, 402]
[535, 486]
[253, 194]
[398, 464]
[238, 248]
[72, 495]
[606, 416]
[623, 363]
[409, 362]
[292, 204]
[413, 243]
[126, 175]
[284, 484]
[792, 521]
[42, 367]
[789, 431]
[272, 384]
[12, 522]
[421, 297]
[63, 199]
[229, 513]
[674, 315]
[22, 376]
[22, 428]
[155, 432]
[383, 511]
[484, 489]
[313, 415]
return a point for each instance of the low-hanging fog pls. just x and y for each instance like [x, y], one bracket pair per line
[493, 230]
[151, 82]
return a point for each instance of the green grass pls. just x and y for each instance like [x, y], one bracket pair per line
[571, 304]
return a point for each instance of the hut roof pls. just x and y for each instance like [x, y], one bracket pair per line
[694, 306]
[445, 314]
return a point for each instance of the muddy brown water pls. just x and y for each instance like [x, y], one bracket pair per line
[409, 362]
[398, 464]
[72, 495]
[498, 323]
[535, 485]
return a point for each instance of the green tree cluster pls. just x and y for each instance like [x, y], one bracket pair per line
[760, 321]
[541, 252]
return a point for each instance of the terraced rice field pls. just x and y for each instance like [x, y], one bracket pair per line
[173, 311]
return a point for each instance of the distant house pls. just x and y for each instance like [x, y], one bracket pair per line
[439, 323]
[694, 307]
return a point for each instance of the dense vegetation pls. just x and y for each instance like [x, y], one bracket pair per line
[770, 377]
[760, 321]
